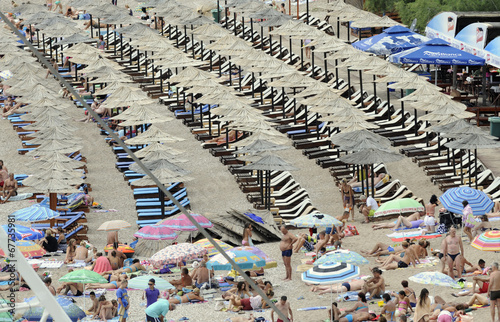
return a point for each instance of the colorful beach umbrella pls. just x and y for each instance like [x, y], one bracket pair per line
[330, 273]
[29, 249]
[342, 256]
[156, 232]
[244, 260]
[270, 263]
[34, 213]
[23, 232]
[141, 283]
[434, 278]
[478, 200]
[399, 206]
[489, 241]
[391, 41]
[114, 225]
[184, 224]
[177, 253]
[205, 243]
[315, 219]
[74, 312]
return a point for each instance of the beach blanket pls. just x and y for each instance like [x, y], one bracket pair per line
[51, 264]
[312, 308]
[21, 196]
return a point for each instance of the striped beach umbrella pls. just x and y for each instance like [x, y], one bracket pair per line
[489, 241]
[478, 200]
[23, 232]
[434, 278]
[399, 206]
[244, 259]
[174, 254]
[342, 256]
[184, 224]
[270, 263]
[28, 248]
[156, 232]
[35, 213]
[330, 273]
[315, 219]
[205, 243]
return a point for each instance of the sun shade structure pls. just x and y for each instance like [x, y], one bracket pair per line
[156, 232]
[370, 156]
[478, 200]
[342, 256]
[35, 213]
[399, 206]
[434, 278]
[330, 273]
[184, 224]
[315, 220]
[114, 225]
[141, 283]
[24, 233]
[244, 259]
[177, 253]
[28, 248]
[488, 241]
[205, 243]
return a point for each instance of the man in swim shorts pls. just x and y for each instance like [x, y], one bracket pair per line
[494, 290]
[284, 308]
[368, 208]
[453, 247]
[286, 247]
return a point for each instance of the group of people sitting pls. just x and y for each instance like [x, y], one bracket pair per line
[332, 236]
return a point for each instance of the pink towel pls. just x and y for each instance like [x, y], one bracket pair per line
[102, 265]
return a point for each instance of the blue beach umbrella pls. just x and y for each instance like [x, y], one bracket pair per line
[342, 256]
[478, 200]
[330, 273]
[244, 260]
[436, 52]
[23, 232]
[315, 219]
[391, 41]
[35, 213]
[434, 278]
[74, 312]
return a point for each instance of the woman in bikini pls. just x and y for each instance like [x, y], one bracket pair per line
[410, 222]
[70, 251]
[402, 304]
[48, 283]
[239, 290]
[360, 306]
[381, 249]
[347, 197]
[483, 226]
[410, 293]
[389, 309]
[187, 297]
[354, 285]
[114, 282]
[247, 235]
[136, 266]
[402, 260]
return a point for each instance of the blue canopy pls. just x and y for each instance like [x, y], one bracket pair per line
[23, 232]
[35, 213]
[478, 200]
[437, 52]
[391, 41]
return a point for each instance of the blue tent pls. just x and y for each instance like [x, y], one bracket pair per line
[391, 41]
[437, 52]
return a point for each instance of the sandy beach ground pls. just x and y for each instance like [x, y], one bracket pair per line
[214, 190]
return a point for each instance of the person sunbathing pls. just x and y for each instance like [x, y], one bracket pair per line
[402, 260]
[184, 281]
[135, 267]
[70, 251]
[381, 249]
[354, 285]
[402, 222]
[420, 249]
[239, 290]
[375, 285]
[481, 227]
[75, 288]
[402, 303]
[114, 281]
[187, 297]
[495, 211]
[352, 317]
[9, 188]
[81, 252]
[95, 24]
[222, 139]
[253, 303]
[304, 240]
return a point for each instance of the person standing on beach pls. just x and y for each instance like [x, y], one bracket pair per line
[123, 301]
[494, 290]
[453, 248]
[151, 293]
[284, 308]
[468, 219]
[112, 237]
[286, 247]
[247, 236]
[157, 311]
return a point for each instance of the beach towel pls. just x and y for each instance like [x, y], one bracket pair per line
[102, 265]
[51, 264]
[21, 196]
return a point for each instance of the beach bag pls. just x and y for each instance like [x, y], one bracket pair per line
[348, 233]
[353, 229]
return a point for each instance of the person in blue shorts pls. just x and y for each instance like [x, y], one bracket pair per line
[286, 247]
[123, 301]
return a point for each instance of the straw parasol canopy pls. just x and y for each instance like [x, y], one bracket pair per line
[447, 110]
[371, 156]
[270, 162]
[141, 114]
[158, 164]
[474, 141]
[153, 134]
[165, 176]
[157, 147]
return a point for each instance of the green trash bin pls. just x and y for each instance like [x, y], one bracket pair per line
[495, 126]
[215, 15]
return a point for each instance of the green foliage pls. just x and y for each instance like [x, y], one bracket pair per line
[424, 10]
